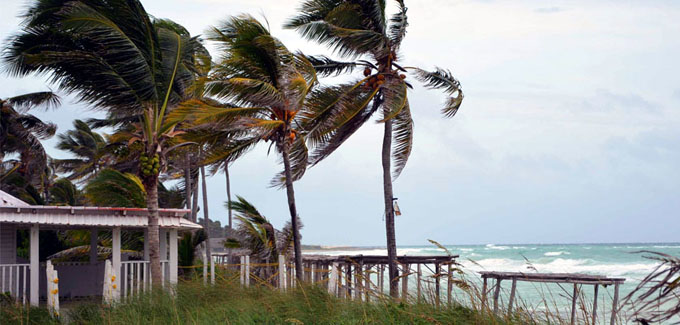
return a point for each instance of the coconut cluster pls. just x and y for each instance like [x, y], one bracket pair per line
[150, 165]
[378, 80]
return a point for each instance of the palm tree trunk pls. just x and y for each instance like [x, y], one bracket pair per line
[187, 180]
[293, 210]
[226, 173]
[389, 211]
[154, 237]
[194, 205]
[206, 216]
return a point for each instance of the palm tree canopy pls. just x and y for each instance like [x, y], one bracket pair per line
[360, 30]
[256, 233]
[87, 146]
[264, 86]
[112, 188]
[64, 192]
[21, 133]
[109, 52]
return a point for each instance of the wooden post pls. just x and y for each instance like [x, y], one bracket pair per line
[367, 283]
[595, 304]
[115, 259]
[333, 280]
[512, 295]
[496, 294]
[282, 273]
[449, 285]
[418, 280]
[573, 304]
[382, 277]
[146, 245]
[212, 269]
[35, 265]
[242, 269]
[357, 281]
[172, 259]
[312, 273]
[484, 292]
[341, 291]
[404, 283]
[247, 271]
[205, 263]
[615, 303]
[438, 271]
[52, 289]
[348, 275]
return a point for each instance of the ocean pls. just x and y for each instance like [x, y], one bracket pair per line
[612, 260]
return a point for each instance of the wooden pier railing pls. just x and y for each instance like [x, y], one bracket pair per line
[359, 277]
[570, 278]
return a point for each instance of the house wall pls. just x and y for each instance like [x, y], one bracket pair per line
[75, 279]
[8, 243]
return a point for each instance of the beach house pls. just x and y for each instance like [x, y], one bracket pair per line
[23, 278]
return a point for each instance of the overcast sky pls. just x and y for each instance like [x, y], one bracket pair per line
[569, 131]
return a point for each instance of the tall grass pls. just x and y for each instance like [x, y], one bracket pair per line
[229, 303]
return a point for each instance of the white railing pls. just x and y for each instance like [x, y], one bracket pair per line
[14, 279]
[136, 277]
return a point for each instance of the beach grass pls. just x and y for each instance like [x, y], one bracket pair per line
[229, 303]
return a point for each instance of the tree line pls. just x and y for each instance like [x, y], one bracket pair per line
[176, 111]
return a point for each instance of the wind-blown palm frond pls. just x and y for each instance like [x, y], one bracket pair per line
[115, 189]
[47, 99]
[63, 192]
[444, 80]
[402, 142]
[326, 66]
[89, 148]
[398, 24]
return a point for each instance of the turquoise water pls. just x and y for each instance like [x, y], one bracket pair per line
[612, 260]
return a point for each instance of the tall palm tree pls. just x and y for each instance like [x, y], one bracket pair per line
[114, 56]
[88, 146]
[360, 31]
[21, 133]
[266, 86]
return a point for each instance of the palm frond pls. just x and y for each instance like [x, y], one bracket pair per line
[115, 189]
[444, 80]
[398, 24]
[402, 139]
[326, 66]
[47, 99]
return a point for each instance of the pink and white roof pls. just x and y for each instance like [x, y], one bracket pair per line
[13, 210]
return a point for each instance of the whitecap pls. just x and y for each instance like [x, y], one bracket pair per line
[556, 253]
[492, 246]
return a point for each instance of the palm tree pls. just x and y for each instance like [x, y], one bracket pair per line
[64, 192]
[115, 57]
[88, 146]
[266, 86]
[21, 133]
[256, 233]
[360, 31]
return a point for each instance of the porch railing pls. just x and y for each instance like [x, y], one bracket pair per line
[14, 280]
[136, 277]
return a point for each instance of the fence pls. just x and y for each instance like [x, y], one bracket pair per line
[136, 277]
[13, 280]
[356, 277]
